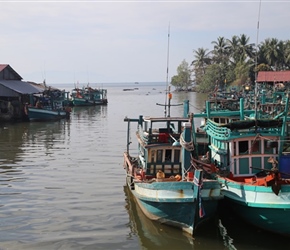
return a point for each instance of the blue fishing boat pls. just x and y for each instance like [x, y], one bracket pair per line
[47, 106]
[89, 96]
[152, 234]
[162, 179]
[248, 152]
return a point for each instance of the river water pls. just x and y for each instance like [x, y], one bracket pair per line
[62, 184]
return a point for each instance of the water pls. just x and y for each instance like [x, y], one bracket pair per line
[62, 184]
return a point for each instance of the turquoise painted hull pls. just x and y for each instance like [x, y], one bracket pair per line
[276, 220]
[258, 205]
[85, 102]
[175, 204]
[82, 102]
[44, 114]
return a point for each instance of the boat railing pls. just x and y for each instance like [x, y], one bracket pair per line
[215, 130]
[225, 131]
[153, 138]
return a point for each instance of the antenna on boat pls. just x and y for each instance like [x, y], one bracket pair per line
[168, 95]
[256, 62]
[167, 71]
[44, 77]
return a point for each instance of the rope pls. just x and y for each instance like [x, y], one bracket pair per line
[189, 146]
[200, 109]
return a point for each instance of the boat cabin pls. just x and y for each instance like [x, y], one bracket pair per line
[159, 144]
[240, 144]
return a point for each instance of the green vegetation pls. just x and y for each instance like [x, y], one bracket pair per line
[232, 62]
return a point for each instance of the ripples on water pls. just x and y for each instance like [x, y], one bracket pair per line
[62, 183]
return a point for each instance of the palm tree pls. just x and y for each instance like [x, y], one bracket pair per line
[202, 59]
[245, 48]
[220, 51]
[200, 63]
[233, 49]
[272, 51]
[287, 54]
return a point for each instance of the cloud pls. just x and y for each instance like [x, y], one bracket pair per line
[119, 41]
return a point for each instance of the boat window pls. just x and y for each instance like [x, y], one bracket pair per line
[216, 120]
[235, 148]
[270, 147]
[168, 155]
[159, 156]
[243, 147]
[153, 156]
[223, 120]
[176, 155]
[255, 147]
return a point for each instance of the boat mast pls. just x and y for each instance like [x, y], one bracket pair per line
[168, 95]
[167, 87]
[256, 64]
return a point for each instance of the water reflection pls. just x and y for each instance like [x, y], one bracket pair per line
[90, 112]
[22, 144]
[237, 234]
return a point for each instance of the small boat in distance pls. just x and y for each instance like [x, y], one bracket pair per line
[47, 106]
[88, 96]
[162, 179]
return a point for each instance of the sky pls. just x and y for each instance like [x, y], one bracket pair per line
[93, 42]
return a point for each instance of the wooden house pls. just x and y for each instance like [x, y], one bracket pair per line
[14, 93]
[278, 79]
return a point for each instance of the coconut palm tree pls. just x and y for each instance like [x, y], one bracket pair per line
[272, 52]
[201, 61]
[287, 54]
[220, 51]
[233, 48]
[246, 49]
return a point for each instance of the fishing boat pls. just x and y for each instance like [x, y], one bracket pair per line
[47, 106]
[160, 176]
[248, 152]
[152, 234]
[89, 96]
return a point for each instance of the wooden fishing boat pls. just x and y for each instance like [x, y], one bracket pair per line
[89, 96]
[166, 186]
[152, 234]
[47, 106]
[248, 153]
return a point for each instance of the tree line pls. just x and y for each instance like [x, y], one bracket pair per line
[231, 62]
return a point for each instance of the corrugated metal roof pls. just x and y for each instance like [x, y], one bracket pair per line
[273, 76]
[20, 87]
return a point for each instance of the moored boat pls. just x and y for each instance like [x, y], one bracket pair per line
[249, 155]
[162, 179]
[47, 106]
[89, 96]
